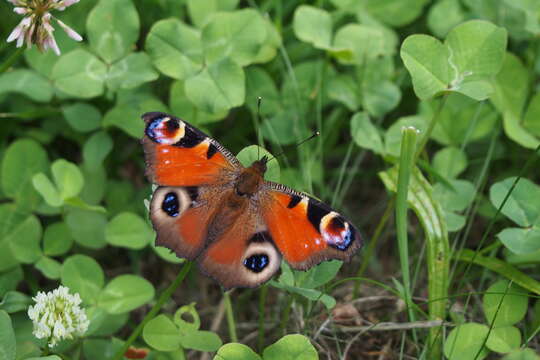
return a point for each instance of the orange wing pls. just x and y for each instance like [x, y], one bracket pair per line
[178, 154]
[306, 231]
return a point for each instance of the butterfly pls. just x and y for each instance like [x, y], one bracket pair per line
[237, 226]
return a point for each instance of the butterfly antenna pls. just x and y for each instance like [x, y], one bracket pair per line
[314, 135]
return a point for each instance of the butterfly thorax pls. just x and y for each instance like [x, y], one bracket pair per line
[251, 178]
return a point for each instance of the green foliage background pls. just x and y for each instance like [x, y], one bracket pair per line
[462, 72]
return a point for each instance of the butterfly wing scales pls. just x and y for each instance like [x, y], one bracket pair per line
[305, 230]
[178, 154]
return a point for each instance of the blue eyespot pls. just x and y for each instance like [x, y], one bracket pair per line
[170, 204]
[257, 262]
[347, 240]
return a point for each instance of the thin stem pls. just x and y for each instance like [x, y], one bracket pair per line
[262, 302]
[165, 295]
[431, 126]
[371, 247]
[286, 314]
[11, 60]
[230, 317]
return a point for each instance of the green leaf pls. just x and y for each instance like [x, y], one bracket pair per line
[10, 279]
[472, 53]
[313, 25]
[128, 230]
[530, 121]
[235, 351]
[504, 339]
[24, 240]
[443, 16]
[126, 115]
[161, 334]
[83, 275]
[426, 59]
[125, 293]
[365, 134]
[96, 149]
[101, 348]
[218, 87]
[511, 303]
[182, 321]
[525, 354]
[50, 357]
[450, 162]
[113, 28]
[50, 268]
[82, 117]
[87, 227]
[46, 188]
[511, 87]
[252, 153]
[311, 294]
[226, 36]
[522, 205]
[131, 72]
[320, 274]
[521, 241]
[79, 67]
[461, 120]
[500, 267]
[394, 12]
[10, 218]
[479, 48]
[183, 108]
[201, 12]
[456, 198]
[200, 340]
[28, 83]
[366, 41]
[22, 159]
[68, 178]
[175, 48]
[291, 347]
[465, 341]
[7, 337]
[15, 301]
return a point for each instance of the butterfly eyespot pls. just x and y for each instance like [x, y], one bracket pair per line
[257, 262]
[171, 205]
[165, 130]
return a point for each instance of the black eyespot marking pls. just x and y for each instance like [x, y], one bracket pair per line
[171, 205]
[337, 224]
[315, 212]
[212, 149]
[257, 262]
[295, 199]
[172, 125]
[193, 192]
[191, 138]
[260, 237]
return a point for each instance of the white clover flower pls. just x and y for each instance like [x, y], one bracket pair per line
[57, 316]
[36, 26]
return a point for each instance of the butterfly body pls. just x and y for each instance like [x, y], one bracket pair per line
[238, 226]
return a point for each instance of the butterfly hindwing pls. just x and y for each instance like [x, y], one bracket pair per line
[178, 154]
[305, 230]
[240, 250]
[181, 217]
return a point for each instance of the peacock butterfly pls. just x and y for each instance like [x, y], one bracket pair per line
[210, 208]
